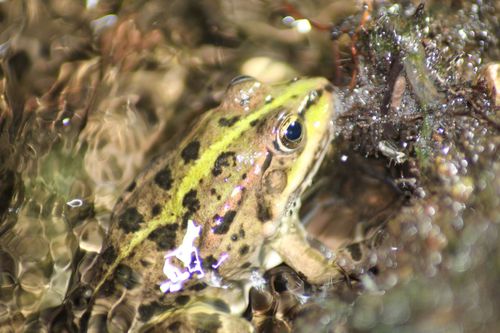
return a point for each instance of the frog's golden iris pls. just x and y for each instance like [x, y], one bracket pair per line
[290, 133]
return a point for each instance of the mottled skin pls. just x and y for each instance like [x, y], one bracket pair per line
[237, 176]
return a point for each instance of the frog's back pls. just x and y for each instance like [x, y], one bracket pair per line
[197, 182]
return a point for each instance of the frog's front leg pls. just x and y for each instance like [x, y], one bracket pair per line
[291, 245]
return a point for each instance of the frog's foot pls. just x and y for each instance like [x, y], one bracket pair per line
[198, 317]
[296, 252]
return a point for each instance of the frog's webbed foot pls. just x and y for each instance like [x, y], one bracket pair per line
[198, 317]
[294, 249]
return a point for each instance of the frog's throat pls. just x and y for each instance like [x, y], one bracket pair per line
[172, 210]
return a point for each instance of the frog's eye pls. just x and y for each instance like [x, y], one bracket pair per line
[240, 79]
[290, 133]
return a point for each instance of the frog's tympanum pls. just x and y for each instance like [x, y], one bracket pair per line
[190, 233]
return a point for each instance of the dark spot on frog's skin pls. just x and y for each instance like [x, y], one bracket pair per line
[244, 250]
[228, 248]
[206, 322]
[219, 197]
[225, 222]
[185, 219]
[164, 179]
[228, 122]
[164, 236]
[254, 122]
[131, 187]
[213, 191]
[242, 233]
[223, 160]
[234, 237]
[130, 220]
[191, 151]
[263, 213]
[156, 210]
[246, 265]
[145, 263]
[182, 300]
[244, 176]
[198, 286]
[126, 276]
[191, 202]
[109, 255]
[208, 262]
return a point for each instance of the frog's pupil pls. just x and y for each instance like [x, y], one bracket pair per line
[293, 131]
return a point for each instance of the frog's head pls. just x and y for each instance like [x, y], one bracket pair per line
[255, 154]
[292, 125]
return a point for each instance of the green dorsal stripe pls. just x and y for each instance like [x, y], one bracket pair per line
[172, 210]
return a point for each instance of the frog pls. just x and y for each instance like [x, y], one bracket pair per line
[192, 233]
